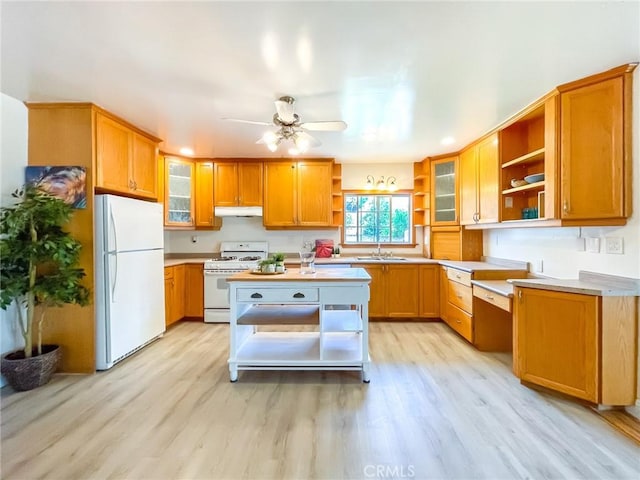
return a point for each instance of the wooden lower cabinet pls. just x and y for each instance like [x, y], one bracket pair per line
[402, 291]
[174, 278]
[581, 345]
[194, 290]
[486, 325]
[429, 291]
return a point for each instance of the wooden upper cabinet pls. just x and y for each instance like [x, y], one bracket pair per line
[488, 180]
[592, 152]
[113, 150]
[126, 161]
[297, 193]
[225, 192]
[479, 184]
[238, 184]
[468, 186]
[179, 195]
[444, 192]
[144, 166]
[314, 193]
[280, 181]
[204, 194]
[250, 188]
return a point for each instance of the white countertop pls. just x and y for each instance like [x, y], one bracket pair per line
[587, 283]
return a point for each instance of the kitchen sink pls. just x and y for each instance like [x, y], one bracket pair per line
[377, 258]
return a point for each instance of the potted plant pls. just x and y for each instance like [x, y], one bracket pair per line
[278, 258]
[39, 270]
[267, 266]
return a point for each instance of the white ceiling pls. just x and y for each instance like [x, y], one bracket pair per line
[403, 75]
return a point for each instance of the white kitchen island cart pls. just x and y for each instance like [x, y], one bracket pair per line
[334, 301]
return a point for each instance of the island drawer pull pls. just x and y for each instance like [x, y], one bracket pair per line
[298, 295]
[256, 295]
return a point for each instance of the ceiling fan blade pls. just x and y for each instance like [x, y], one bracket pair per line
[252, 122]
[284, 108]
[334, 126]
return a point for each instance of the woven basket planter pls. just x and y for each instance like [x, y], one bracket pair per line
[29, 373]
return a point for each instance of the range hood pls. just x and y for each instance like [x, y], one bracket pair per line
[238, 211]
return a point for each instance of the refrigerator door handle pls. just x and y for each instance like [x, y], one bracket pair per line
[115, 229]
[114, 282]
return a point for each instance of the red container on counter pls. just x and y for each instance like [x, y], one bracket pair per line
[324, 248]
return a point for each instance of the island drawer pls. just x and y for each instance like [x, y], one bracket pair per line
[284, 295]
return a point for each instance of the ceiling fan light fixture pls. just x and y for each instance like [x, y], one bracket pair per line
[270, 138]
[302, 144]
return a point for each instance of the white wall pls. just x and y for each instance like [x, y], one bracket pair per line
[560, 249]
[13, 159]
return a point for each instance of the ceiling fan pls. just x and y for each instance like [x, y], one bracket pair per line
[290, 128]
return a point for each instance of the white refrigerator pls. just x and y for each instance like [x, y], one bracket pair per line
[129, 276]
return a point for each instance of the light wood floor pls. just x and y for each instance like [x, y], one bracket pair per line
[435, 408]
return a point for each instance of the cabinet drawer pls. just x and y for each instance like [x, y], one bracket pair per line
[284, 295]
[460, 321]
[459, 276]
[493, 298]
[461, 296]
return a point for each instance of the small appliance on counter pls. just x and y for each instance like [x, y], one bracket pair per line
[324, 248]
[234, 257]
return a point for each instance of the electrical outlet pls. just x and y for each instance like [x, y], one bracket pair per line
[593, 245]
[614, 245]
[538, 266]
[508, 202]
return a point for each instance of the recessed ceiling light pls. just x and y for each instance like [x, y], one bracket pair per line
[447, 141]
[186, 151]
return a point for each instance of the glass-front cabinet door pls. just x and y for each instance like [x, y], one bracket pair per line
[179, 198]
[444, 191]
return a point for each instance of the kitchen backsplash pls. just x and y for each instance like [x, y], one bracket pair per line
[251, 228]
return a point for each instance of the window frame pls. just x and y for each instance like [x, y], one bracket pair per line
[408, 193]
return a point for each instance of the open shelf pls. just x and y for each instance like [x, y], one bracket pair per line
[280, 348]
[524, 188]
[532, 157]
[341, 347]
[341, 321]
[280, 315]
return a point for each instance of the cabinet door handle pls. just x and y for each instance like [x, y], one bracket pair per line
[298, 295]
[256, 295]
[565, 207]
[458, 276]
[459, 296]
[490, 297]
[520, 294]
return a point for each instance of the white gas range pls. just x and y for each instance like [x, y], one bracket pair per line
[234, 257]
